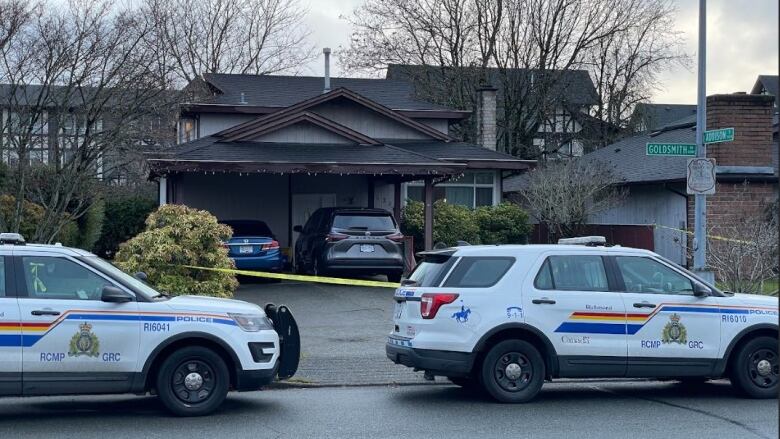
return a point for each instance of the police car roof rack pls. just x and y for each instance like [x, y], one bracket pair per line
[11, 238]
[589, 241]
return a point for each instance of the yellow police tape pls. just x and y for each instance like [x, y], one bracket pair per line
[302, 278]
[719, 238]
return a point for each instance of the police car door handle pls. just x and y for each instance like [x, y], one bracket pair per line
[543, 300]
[45, 312]
[644, 305]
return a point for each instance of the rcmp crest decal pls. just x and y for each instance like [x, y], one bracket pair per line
[84, 342]
[674, 331]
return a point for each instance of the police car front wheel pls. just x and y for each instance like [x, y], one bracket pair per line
[513, 371]
[193, 381]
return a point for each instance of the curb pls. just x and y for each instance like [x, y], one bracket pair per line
[281, 385]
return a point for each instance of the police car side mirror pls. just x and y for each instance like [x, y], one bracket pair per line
[699, 290]
[141, 276]
[113, 294]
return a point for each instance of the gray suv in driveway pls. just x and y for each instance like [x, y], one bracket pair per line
[350, 240]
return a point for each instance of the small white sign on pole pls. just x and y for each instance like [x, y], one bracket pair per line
[701, 176]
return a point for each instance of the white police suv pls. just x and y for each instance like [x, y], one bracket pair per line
[506, 318]
[72, 323]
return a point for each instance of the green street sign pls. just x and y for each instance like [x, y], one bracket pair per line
[672, 149]
[717, 136]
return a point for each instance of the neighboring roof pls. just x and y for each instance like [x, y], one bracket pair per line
[572, 86]
[770, 83]
[656, 116]
[283, 91]
[475, 156]
[255, 127]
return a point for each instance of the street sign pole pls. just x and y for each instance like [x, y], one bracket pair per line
[700, 200]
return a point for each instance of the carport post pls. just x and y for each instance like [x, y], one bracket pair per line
[397, 201]
[428, 213]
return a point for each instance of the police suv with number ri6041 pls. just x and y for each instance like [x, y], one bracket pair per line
[507, 318]
[72, 323]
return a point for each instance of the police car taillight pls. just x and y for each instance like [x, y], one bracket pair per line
[431, 302]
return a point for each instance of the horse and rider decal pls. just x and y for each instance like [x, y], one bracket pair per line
[462, 316]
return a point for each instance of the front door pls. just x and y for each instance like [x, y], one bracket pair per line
[675, 333]
[570, 300]
[72, 341]
[10, 333]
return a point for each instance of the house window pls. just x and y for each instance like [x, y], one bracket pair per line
[187, 129]
[558, 122]
[473, 189]
[32, 129]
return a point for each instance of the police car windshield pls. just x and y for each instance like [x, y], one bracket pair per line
[133, 283]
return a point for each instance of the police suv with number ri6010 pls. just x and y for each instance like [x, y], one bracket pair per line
[507, 318]
[72, 323]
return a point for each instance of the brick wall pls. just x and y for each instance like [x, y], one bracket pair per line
[751, 118]
[735, 200]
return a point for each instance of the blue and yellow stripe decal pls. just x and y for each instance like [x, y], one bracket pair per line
[621, 323]
[26, 334]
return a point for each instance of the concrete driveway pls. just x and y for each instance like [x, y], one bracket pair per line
[343, 331]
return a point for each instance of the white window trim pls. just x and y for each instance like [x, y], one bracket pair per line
[495, 186]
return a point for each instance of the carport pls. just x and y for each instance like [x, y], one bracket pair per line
[267, 181]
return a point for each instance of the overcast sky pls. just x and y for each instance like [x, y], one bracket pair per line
[742, 43]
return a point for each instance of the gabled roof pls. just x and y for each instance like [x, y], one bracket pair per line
[274, 92]
[657, 116]
[241, 131]
[570, 86]
[770, 83]
[253, 131]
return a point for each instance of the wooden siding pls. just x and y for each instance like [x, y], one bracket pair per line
[211, 123]
[303, 132]
[366, 121]
[654, 205]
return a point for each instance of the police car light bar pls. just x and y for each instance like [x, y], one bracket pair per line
[11, 238]
[584, 240]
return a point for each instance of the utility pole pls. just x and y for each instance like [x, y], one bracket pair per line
[700, 213]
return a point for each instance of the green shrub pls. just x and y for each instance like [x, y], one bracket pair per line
[32, 214]
[505, 223]
[451, 223]
[124, 218]
[175, 236]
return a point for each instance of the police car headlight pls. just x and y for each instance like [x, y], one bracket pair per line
[252, 322]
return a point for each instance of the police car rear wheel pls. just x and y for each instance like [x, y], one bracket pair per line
[193, 381]
[513, 371]
[755, 369]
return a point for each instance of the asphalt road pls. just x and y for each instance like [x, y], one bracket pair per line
[594, 409]
[343, 331]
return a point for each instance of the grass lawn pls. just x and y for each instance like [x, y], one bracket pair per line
[770, 287]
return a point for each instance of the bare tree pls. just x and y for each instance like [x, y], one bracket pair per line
[190, 37]
[743, 253]
[529, 45]
[624, 65]
[564, 194]
[79, 90]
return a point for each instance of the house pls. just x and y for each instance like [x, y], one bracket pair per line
[562, 98]
[747, 178]
[276, 148]
[50, 124]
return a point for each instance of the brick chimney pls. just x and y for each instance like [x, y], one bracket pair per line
[486, 116]
[751, 117]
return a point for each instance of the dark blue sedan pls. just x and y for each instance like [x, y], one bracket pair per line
[253, 246]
